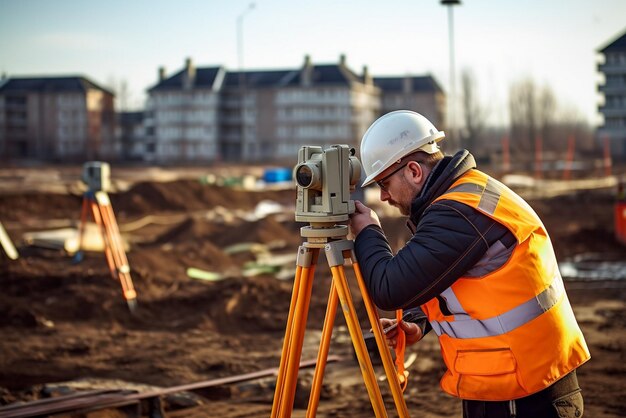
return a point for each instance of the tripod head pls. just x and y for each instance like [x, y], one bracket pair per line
[324, 180]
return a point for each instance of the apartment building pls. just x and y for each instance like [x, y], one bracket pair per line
[206, 114]
[58, 118]
[323, 105]
[182, 114]
[262, 115]
[248, 111]
[422, 94]
[130, 131]
[613, 89]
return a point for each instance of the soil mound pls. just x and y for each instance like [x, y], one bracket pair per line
[190, 195]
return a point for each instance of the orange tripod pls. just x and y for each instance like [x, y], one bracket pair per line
[337, 249]
[100, 205]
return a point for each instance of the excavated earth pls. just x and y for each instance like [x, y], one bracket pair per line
[64, 325]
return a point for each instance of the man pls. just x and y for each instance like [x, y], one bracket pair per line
[479, 267]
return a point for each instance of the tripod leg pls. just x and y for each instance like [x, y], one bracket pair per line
[297, 340]
[365, 363]
[81, 229]
[283, 402]
[95, 209]
[113, 234]
[119, 255]
[322, 354]
[385, 355]
[280, 379]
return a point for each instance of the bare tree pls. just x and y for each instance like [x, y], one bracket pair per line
[122, 93]
[535, 112]
[522, 112]
[532, 112]
[546, 109]
[474, 114]
[572, 123]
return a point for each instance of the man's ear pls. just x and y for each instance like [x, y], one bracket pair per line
[417, 171]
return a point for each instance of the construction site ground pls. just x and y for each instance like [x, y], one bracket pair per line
[64, 325]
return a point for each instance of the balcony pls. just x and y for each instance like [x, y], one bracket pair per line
[16, 121]
[611, 111]
[613, 88]
[612, 68]
[611, 132]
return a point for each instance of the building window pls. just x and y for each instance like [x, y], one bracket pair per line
[15, 100]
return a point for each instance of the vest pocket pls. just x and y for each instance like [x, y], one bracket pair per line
[486, 374]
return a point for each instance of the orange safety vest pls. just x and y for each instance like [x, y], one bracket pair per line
[512, 331]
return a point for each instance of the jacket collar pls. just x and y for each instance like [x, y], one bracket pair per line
[446, 172]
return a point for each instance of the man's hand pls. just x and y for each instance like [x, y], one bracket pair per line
[412, 332]
[362, 217]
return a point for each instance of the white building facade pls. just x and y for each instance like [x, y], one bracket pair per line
[182, 115]
[613, 89]
[56, 118]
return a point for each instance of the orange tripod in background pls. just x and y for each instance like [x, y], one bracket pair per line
[338, 249]
[96, 176]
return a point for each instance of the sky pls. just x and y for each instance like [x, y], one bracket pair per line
[552, 42]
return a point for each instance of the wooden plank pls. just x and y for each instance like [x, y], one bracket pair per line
[100, 399]
[54, 399]
[62, 404]
[7, 244]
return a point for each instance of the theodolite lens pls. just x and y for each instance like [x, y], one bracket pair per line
[304, 176]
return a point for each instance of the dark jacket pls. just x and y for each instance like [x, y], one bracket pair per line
[449, 239]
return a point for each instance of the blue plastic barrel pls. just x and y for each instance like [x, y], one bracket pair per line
[277, 175]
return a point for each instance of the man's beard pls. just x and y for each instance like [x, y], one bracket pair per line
[409, 194]
[405, 210]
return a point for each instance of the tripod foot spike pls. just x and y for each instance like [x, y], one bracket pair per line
[132, 305]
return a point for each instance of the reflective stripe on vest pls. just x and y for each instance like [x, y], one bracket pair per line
[490, 194]
[463, 327]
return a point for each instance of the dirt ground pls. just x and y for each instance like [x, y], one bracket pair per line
[62, 321]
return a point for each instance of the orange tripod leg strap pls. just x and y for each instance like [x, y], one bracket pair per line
[403, 375]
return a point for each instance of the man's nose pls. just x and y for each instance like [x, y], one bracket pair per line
[384, 195]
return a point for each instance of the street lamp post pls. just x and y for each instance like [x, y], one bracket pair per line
[452, 100]
[242, 79]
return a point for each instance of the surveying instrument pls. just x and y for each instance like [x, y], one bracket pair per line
[324, 178]
[96, 175]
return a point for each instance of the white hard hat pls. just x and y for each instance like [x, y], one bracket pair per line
[394, 135]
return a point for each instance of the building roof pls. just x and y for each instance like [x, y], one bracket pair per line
[205, 77]
[259, 78]
[320, 75]
[316, 75]
[618, 44]
[332, 74]
[50, 84]
[418, 84]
